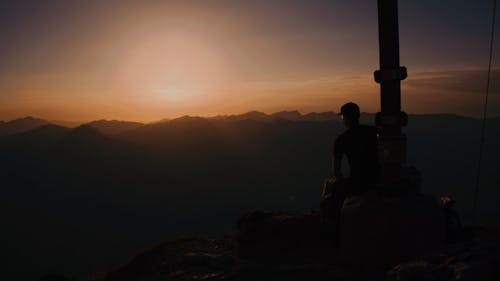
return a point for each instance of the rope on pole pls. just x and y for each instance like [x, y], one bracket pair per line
[485, 111]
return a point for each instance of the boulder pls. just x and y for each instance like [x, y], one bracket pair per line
[381, 230]
[271, 235]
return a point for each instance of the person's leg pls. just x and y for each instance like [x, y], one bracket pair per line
[327, 208]
[341, 190]
[334, 193]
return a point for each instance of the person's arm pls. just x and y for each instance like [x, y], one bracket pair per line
[337, 167]
[337, 158]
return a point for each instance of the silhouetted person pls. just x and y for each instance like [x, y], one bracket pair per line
[359, 143]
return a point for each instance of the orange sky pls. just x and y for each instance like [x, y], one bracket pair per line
[150, 60]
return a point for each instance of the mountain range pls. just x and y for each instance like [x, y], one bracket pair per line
[115, 127]
[84, 199]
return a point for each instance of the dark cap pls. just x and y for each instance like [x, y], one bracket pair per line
[350, 110]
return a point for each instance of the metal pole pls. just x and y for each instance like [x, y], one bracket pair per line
[391, 118]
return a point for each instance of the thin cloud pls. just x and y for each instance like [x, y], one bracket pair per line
[463, 81]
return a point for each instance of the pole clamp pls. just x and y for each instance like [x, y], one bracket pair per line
[396, 74]
[400, 119]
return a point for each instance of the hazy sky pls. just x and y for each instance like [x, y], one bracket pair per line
[148, 60]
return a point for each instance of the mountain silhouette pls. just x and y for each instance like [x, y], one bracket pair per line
[191, 133]
[33, 140]
[251, 115]
[45, 132]
[84, 134]
[287, 115]
[49, 132]
[89, 145]
[65, 123]
[20, 125]
[113, 127]
[323, 116]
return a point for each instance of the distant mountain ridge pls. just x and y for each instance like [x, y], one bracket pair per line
[117, 127]
[293, 115]
[113, 127]
[21, 125]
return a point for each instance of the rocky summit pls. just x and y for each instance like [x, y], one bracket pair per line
[288, 246]
[202, 258]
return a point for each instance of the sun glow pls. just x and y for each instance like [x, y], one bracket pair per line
[149, 60]
[174, 66]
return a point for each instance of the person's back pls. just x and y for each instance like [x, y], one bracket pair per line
[360, 145]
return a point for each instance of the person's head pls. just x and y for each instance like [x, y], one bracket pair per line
[350, 114]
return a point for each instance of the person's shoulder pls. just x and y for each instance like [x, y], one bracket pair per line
[341, 137]
[367, 129]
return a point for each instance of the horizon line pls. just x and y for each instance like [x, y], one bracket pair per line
[216, 116]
